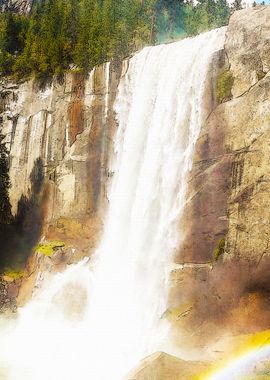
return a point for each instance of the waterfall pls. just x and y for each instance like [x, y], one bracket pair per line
[97, 319]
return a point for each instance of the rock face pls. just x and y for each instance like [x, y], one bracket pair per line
[19, 6]
[66, 126]
[9, 290]
[63, 131]
[247, 134]
[229, 183]
[247, 47]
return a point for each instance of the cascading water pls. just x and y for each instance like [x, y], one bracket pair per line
[96, 321]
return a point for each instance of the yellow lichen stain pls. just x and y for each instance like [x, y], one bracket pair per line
[48, 248]
[12, 275]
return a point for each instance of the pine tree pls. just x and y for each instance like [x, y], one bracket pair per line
[237, 5]
[222, 13]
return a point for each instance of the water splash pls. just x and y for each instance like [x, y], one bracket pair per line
[96, 322]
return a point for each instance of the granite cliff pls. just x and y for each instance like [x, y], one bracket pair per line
[62, 134]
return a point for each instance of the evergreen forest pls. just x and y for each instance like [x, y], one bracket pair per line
[60, 35]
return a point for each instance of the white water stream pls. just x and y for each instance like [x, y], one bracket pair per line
[96, 321]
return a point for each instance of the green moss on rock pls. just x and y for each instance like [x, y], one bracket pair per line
[220, 249]
[224, 86]
[260, 74]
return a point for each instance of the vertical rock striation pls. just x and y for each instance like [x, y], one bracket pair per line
[67, 127]
[247, 134]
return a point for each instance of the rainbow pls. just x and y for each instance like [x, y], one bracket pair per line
[241, 361]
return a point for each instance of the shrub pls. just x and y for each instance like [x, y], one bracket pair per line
[224, 86]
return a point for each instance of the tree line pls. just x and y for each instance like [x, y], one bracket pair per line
[63, 34]
[59, 34]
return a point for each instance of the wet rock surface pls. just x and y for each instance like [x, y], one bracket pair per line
[9, 290]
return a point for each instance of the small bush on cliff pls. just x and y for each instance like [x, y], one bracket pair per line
[220, 249]
[224, 86]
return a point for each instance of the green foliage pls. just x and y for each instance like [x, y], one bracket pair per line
[224, 85]
[207, 14]
[48, 248]
[220, 249]
[59, 34]
[13, 29]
